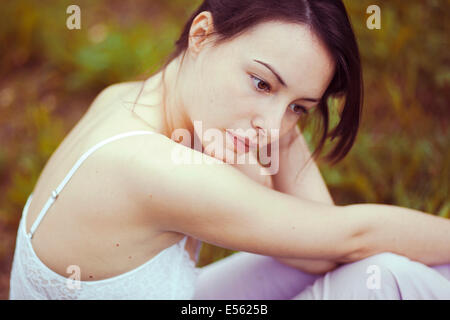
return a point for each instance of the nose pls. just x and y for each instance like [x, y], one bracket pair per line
[267, 129]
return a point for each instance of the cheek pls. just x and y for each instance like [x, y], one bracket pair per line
[225, 98]
[289, 121]
[227, 95]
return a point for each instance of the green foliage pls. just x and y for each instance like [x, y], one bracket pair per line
[402, 152]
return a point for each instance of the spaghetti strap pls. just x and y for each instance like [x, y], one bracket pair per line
[56, 192]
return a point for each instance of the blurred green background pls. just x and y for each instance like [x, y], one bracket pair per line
[49, 75]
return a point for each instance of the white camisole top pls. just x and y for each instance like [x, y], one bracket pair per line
[171, 274]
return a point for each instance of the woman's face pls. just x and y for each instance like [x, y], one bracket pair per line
[267, 78]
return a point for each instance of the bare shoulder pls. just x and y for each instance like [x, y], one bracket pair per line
[110, 94]
[121, 87]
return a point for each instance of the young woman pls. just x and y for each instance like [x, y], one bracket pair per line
[114, 215]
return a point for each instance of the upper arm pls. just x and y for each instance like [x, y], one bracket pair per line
[218, 204]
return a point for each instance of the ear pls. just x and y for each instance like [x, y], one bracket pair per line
[201, 28]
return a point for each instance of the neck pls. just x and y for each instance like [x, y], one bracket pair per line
[174, 113]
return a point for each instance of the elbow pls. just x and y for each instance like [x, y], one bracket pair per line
[322, 267]
[311, 266]
[356, 244]
[355, 253]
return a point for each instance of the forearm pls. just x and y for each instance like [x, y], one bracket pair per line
[317, 194]
[385, 228]
[298, 174]
[311, 266]
[307, 184]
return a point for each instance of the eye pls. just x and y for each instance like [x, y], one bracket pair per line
[260, 84]
[298, 109]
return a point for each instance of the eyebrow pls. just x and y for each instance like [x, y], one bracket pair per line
[268, 66]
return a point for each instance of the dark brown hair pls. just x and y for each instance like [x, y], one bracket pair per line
[329, 21]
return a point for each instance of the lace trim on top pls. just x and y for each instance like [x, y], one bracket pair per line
[171, 274]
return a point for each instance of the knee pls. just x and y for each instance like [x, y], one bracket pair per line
[387, 258]
[388, 261]
[389, 267]
[380, 276]
[368, 278]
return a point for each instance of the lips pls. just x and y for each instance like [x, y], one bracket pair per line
[248, 143]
